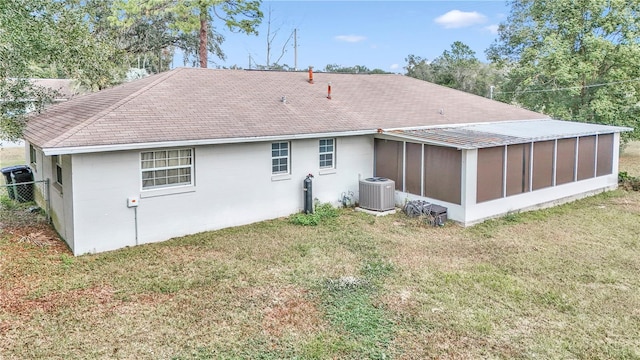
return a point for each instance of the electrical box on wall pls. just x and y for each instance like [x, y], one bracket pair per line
[133, 201]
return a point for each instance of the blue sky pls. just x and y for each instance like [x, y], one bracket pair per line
[376, 34]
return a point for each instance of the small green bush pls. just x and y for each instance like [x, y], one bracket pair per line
[321, 213]
[628, 182]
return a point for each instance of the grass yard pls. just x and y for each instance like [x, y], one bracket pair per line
[10, 156]
[556, 283]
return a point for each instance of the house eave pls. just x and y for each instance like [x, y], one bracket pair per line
[49, 151]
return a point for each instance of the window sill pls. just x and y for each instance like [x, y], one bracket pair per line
[280, 177]
[326, 171]
[57, 186]
[167, 191]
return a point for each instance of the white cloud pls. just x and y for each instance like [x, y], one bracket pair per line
[350, 38]
[458, 19]
[394, 67]
[492, 28]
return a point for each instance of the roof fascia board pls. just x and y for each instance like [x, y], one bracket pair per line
[168, 144]
[440, 126]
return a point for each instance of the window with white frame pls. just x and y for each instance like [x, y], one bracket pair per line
[280, 158]
[57, 165]
[32, 155]
[327, 153]
[165, 168]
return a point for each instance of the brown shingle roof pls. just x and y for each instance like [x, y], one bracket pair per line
[199, 104]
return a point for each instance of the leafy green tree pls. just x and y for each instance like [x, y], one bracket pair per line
[419, 68]
[41, 34]
[187, 23]
[357, 69]
[573, 59]
[457, 68]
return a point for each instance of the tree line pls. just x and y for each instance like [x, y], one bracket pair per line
[574, 60]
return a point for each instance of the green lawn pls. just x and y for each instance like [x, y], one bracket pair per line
[555, 283]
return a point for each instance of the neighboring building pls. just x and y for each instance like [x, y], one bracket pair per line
[66, 89]
[191, 150]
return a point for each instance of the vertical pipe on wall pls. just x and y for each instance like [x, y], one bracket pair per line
[135, 217]
[47, 199]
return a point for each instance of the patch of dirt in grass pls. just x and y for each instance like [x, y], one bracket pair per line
[18, 305]
[34, 236]
[629, 202]
[401, 301]
[448, 344]
[21, 303]
[287, 311]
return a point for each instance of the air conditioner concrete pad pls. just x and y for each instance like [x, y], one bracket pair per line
[376, 213]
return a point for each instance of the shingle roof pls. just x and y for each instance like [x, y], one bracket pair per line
[198, 104]
[476, 136]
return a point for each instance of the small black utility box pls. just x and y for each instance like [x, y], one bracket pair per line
[439, 214]
[17, 175]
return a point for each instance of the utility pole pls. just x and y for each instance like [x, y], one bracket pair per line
[295, 49]
[491, 92]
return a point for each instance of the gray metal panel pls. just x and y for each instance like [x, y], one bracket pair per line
[377, 195]
[460, 137]
[477, 136]
[545, 129]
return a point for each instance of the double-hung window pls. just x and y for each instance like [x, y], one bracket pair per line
[33, 159]
[57, 165]
[327, 153]
[166, 168]
[280, 158]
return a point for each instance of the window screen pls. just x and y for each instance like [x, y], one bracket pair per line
[389, 154]
[543, 164]
[490, 173]
[586, 157]
[442, 173]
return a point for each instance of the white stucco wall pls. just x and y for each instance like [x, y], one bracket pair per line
[60, 197]
[233, 186]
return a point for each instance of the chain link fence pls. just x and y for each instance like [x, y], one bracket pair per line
[24, 203]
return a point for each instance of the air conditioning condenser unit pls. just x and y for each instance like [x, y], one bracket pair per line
[377, 194]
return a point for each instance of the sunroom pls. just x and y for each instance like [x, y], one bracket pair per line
[480, 171]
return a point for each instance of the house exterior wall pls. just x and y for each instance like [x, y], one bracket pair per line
[60, 196]
[233, 185]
